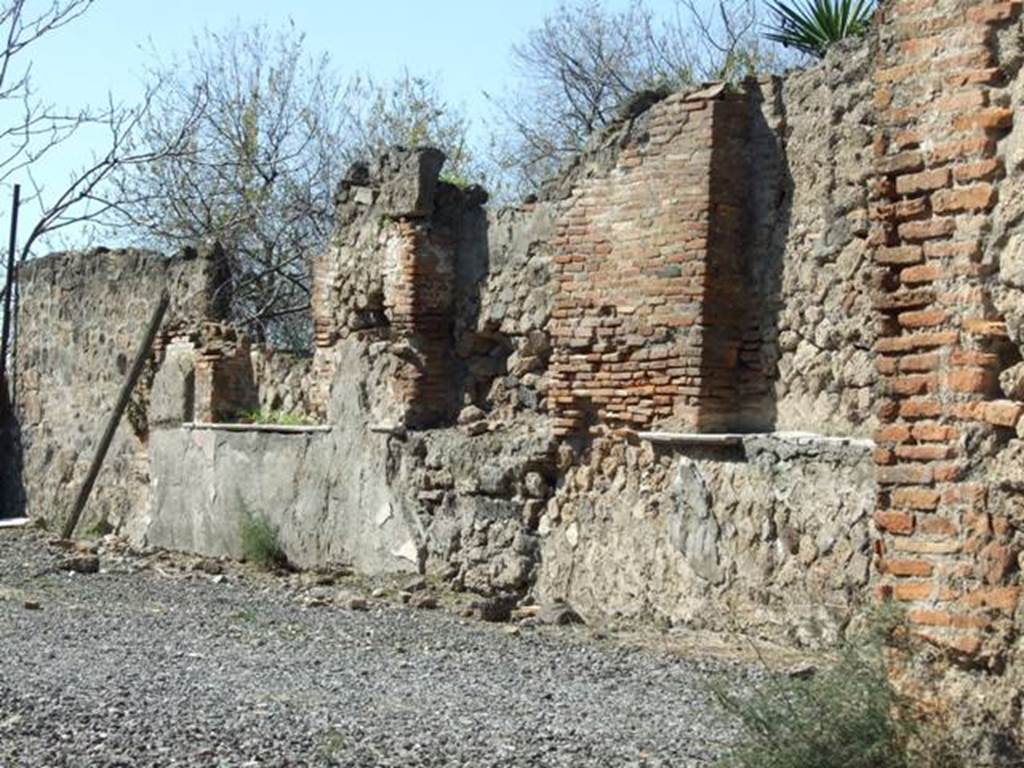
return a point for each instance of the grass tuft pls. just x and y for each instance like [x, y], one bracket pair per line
[848, 715]
[261, 543]
[282, 418]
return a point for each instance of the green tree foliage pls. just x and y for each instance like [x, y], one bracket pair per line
[811, 26]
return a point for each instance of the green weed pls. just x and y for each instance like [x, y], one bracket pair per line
[848, 714]
[281, 418]
[261, 543]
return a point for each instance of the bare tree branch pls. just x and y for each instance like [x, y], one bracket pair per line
[39, 129]
[584, 61]
[261, 160]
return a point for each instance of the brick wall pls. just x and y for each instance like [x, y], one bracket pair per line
[224, 387]
[418, 303]
[648, 316]
[942, 104]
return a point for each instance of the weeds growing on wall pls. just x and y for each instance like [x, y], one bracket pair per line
[261, 543]
[455, 180]
[99, 529]
[281, 418]
[847, 715]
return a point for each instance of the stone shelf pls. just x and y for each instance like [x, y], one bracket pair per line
[230, 427]
[687, 438]
[715, 439]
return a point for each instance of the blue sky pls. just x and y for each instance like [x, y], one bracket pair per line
[464, 45]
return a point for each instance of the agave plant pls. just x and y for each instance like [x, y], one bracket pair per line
[812, 26]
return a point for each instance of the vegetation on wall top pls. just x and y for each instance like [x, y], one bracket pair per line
[811, 26]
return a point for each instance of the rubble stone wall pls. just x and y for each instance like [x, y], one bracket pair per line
[770, 535]
[836, 253]
[810, 338]
[80, 319]
[388, 278]
[283, 381]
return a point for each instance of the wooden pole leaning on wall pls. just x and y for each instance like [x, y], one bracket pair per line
[115, 417]
[5, 333]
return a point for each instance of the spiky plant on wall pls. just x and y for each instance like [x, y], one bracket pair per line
[811, 26]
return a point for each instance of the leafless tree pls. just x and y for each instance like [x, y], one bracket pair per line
[584, 61]
[33, 130]
[276, 131]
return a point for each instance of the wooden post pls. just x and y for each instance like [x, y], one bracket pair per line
[9, 289]
[115, 416]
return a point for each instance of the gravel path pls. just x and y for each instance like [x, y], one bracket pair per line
[156, 669]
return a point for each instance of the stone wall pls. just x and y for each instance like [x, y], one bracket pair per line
[283, 381]
[80, 319]
[644, 286]
[836, 253]
[388, 278]
[768, 535]
[808, 259]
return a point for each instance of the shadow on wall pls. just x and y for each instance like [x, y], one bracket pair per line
[502, 299]
[480, 356]
[12, 492]
[751, 193]
[769, 212]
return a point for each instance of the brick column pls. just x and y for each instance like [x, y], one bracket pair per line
[647, 324]
[224, 383]
[942, 111]
[419, 304]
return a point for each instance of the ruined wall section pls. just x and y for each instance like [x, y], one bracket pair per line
[750, 212]
[388, 279]
[80, 319]
[809, 266]
[711, 262]
[770, 536]
[443, 308]
[336, 495]
[647, 320]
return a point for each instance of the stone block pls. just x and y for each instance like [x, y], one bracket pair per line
[409, 181]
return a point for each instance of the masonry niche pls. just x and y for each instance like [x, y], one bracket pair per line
[651, 302]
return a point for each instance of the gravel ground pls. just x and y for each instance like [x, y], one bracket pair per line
[153, 664]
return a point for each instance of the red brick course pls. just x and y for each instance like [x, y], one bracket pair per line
[936, 355]
[646, 326]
